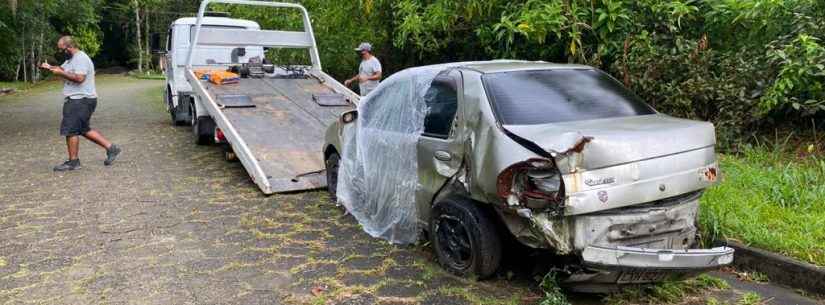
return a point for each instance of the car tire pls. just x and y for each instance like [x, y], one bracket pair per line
[331, 164]
[465, 238]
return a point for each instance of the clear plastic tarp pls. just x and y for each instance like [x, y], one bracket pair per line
[378, 173]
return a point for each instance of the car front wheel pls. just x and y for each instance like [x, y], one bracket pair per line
[465, 239]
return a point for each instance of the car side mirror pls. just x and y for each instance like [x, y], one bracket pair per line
[154, 44]
[349, 116]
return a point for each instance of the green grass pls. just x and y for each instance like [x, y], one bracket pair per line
[154, 75]
[669, 292]
[14, 85]
[769, 200]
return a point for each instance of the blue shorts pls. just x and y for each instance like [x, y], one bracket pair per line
[76, 116]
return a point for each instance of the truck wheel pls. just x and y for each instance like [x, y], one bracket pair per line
[204, 130]
[465, 238]
[181, 113]
[170, 106]
[332, 174]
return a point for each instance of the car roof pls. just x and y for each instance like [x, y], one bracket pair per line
[217, 21]
[496, 66]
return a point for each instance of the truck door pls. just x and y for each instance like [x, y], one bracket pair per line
[440, 151]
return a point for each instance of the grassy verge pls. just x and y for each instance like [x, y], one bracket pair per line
[771, 201]
[155, 75]
[15, 85]
[671, 292]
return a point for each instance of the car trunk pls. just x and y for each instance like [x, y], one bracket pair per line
[613, 163]
[617, 141]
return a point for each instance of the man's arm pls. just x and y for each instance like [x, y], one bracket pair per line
[349, 81]
[72, 77]
[375, 76]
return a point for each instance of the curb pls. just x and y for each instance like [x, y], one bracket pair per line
[779, 269]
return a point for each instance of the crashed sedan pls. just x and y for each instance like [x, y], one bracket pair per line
[562, 156]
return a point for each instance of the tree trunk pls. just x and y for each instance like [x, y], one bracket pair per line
[35, 71]
[139, 44]
[13, 7]
[147, 36]
[25, 68]
[17, 72]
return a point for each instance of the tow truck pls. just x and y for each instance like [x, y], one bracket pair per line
[273, 119]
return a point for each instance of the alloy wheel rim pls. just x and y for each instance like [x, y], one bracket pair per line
[454, 241]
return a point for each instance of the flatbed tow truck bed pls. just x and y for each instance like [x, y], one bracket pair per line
[275, 125]
[284, 131]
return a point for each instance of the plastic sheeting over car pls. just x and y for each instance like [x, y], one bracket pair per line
[378, 174]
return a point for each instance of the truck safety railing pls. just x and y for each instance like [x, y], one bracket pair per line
[261, 38]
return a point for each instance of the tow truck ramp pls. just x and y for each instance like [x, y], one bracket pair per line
[274, 124]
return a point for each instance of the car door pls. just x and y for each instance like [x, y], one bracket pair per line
[440, 151]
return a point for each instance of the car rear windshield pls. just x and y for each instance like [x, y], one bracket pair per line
[551, 96]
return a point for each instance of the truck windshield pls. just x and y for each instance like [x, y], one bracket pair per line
[552, 96]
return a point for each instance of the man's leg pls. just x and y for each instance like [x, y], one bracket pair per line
[112, 150]
[73, 145]
[95, 136]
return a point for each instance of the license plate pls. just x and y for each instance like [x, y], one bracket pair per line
[641, 277]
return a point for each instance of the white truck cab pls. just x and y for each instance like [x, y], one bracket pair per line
[178, 92]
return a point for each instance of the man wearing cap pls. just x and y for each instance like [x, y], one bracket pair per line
[79, 103]
[369, 72]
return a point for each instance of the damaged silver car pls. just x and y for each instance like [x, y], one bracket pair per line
[562, 156]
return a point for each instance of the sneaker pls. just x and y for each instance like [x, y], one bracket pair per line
[68, 166]
[111, 154]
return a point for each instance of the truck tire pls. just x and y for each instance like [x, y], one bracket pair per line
[331, 165]
[170, 106]
[465, 238]
[203, 128]
[181, 113]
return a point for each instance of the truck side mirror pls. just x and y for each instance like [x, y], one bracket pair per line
[155, 45]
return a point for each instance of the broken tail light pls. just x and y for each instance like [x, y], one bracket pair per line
[535, 183]
[219, 136]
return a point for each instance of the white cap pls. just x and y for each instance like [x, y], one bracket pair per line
[364, 46]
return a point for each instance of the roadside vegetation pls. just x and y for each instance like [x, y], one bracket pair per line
[771, 199]
[673, 292]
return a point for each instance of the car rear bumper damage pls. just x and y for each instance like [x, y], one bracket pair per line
[623, 258]
[605, 267]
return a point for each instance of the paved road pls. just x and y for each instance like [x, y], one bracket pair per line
[171, 223]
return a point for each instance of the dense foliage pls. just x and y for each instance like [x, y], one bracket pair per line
[747, 65]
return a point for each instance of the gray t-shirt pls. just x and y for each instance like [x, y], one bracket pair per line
[368, 68]
[80, 63]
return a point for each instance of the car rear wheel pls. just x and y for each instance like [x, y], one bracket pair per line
[332, 174]
[465, 239]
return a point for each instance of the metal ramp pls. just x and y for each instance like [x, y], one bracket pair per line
[283, 130]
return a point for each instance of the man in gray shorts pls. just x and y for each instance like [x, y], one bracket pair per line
[369, 72]
[80, 101]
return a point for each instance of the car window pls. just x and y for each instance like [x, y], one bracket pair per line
[442, 103]
[562, 95]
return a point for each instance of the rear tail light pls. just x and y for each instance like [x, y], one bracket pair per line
[219, 136]
[535, 183]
